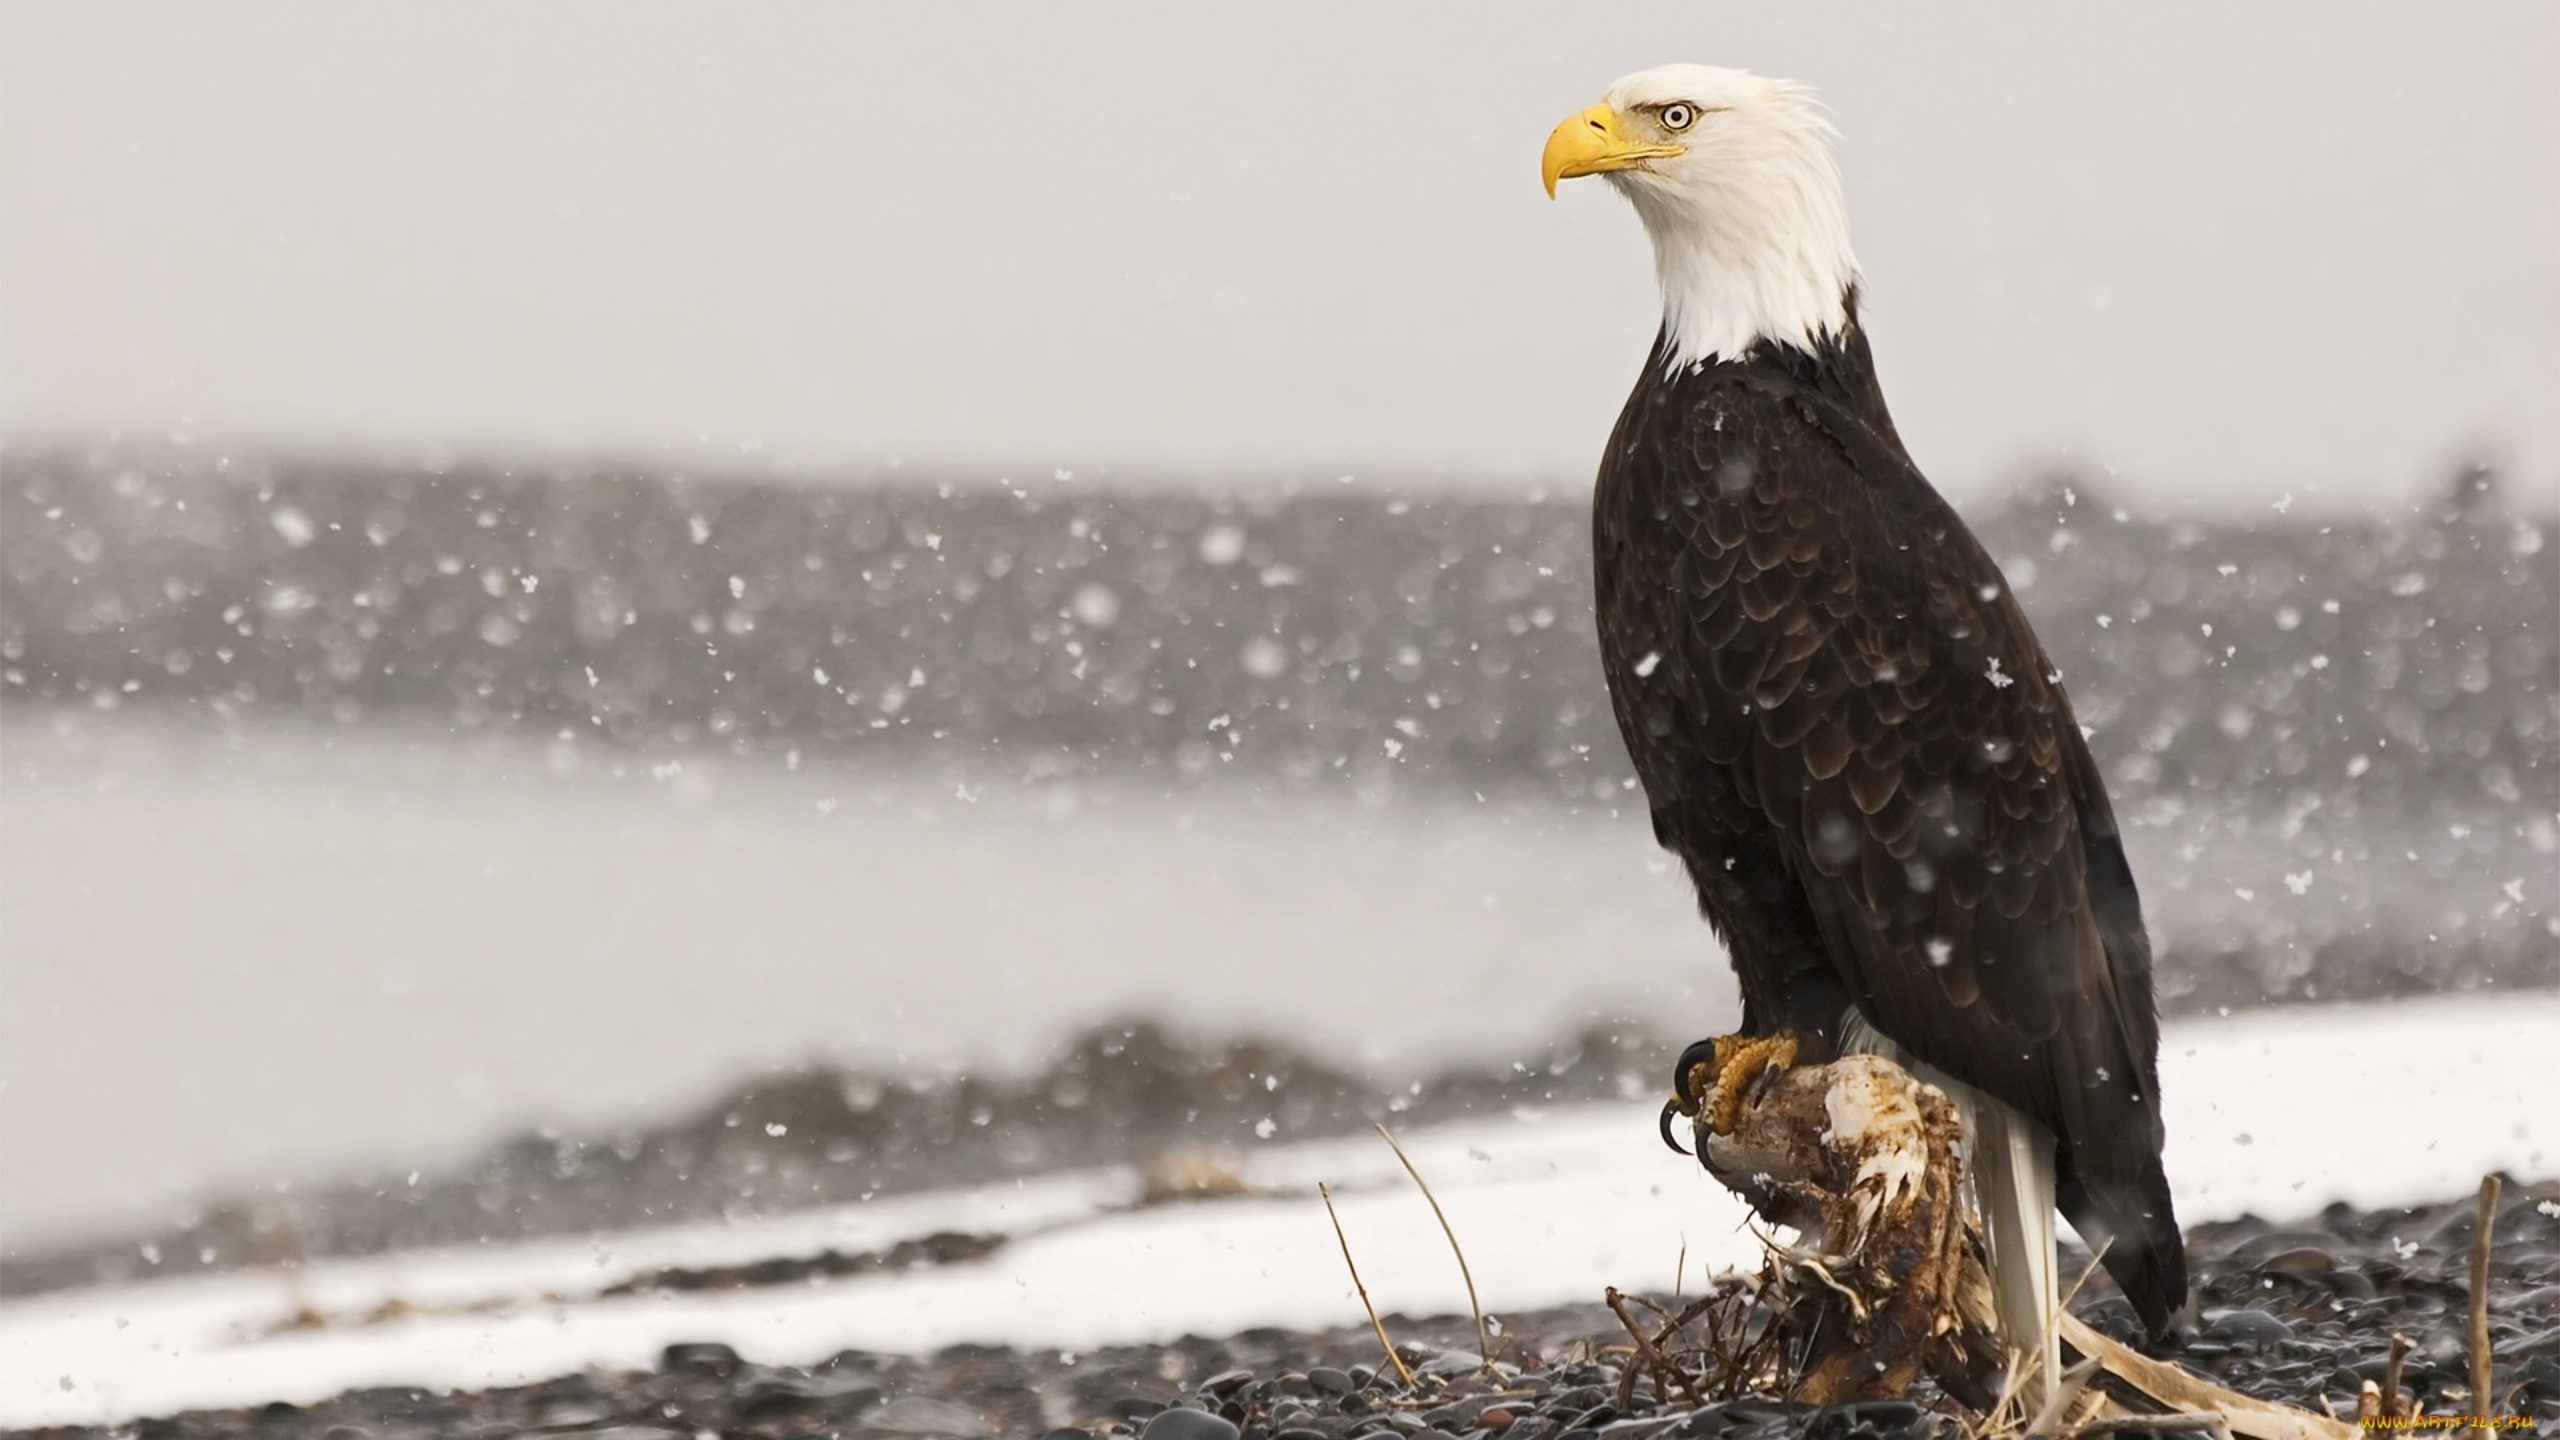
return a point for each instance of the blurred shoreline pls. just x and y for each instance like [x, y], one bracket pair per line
[1328, 635]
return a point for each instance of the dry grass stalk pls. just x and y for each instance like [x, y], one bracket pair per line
[2066, 1394]
[2069, 1385]
[1484, 1341]
[2482, 1393]
[1374, 1322]
[2395, 1405]
[2210, 1420]
[2006, 1414]
[2184, 1392]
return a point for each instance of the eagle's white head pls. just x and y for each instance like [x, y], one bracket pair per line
[1733, 176]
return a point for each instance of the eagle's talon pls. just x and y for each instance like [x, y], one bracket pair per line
[1696, 1066]
[1714, 1077]
[1670, 1108]
[1741, 1063]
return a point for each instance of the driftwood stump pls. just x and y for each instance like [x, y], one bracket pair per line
[1866, 1163]
[1886, 1281]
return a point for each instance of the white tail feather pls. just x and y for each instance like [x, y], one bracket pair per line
[2012, 1174]
[2009, 1169]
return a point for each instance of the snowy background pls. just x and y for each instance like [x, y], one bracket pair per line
[567, 798]
[610, 616]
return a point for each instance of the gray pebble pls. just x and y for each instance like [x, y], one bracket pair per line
[922, 1415]
[708, 1356]
[1225, 1383]
[1639, 1429]
[1460, 1416]
[1182, 1424]
[2247, 1327]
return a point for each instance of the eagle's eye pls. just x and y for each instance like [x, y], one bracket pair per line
[1678, 115]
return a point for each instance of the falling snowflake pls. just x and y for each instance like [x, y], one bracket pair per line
[292, 526]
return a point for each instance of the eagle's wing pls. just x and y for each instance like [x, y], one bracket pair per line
[1855, 660]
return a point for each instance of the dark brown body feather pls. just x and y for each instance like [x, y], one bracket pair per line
[1850, 735]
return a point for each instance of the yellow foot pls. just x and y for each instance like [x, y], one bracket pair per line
[1715, 1075]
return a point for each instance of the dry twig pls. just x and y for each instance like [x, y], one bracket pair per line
[1374, 1323]
[2480, 1374]
[2392, 1408]
[1484, 1342]
[1651, 1349]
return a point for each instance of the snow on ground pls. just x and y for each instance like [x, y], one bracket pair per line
[2273, 1112]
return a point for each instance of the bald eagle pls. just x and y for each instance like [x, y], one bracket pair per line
[1844, 725]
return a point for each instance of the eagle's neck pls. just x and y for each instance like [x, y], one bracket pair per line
[1750, 254]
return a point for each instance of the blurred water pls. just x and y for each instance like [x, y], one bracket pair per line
[232, 959]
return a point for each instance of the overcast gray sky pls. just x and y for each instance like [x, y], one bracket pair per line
[2233, 251]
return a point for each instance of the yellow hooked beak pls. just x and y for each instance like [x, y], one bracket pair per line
[1593, 141]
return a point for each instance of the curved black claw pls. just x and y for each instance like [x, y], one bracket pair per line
[1700, 1052]
[1671, 1108]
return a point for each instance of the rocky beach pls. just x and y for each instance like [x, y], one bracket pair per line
[2302, 1313]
